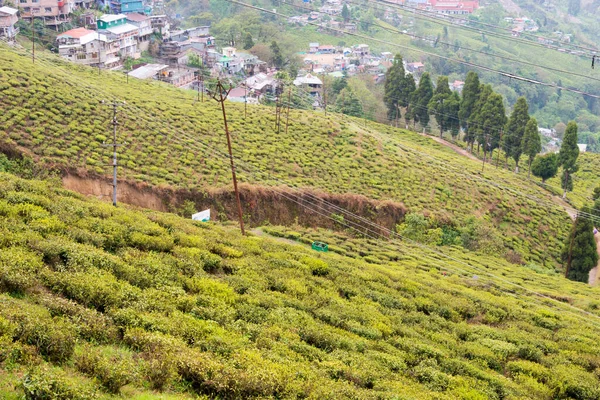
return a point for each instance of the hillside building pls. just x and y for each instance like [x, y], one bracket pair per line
[80, 46]
[54, 13]
[115, 29]
[310, 84]
[144, 29]
[8, 19]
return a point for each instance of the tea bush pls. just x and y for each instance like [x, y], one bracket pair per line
[215, 314]
[173, 141]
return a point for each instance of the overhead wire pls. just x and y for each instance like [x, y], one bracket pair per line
[435, 17]
[547, 298]
[517, 60]
[463, 62]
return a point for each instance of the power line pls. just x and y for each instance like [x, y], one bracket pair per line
[484, 68]
[397, 31]
[584, 214]
[442, 254]
[436, 19]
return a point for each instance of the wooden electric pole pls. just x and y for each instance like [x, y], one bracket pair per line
[287, 116]
[220, 95]
[115, 105]
[32, 38]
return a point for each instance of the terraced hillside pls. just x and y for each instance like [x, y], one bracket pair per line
[52, 111]
[102, 302]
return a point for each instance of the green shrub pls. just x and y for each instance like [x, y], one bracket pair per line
[316, 266]
[45, 383]
[18, 268]
[113, 370]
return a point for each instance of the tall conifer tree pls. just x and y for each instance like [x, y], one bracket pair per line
[515, 129]
[531, 143]
[470, 96]
[579, 254]
[567, 156]
[422, 96]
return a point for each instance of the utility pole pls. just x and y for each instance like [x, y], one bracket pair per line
[485, 144]
[287, 117]
[245, 100]
[32, 38]
[114, 145]
[324, 95]
[498, 159]
[221, 99]
[198, 83]
[202, 83]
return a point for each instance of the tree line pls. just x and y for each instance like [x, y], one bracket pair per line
[479, 114]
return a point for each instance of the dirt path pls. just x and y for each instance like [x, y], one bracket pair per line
[593, 277]
[261, 233]
[457, 149]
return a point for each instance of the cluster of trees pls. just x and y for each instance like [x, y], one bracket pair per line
[480, 112]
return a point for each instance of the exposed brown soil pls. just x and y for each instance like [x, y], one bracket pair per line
[261, 205]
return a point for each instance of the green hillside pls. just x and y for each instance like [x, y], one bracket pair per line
[52, 111]
[97, 301]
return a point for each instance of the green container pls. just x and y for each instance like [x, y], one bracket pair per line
[320, 246]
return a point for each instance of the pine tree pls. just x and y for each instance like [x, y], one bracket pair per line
[437, 105]
[531, 144]
[567, 156]
[574, 7]
[397, 89]
[347, 103]
[470, 96]
[422, 96]
[410, 87]
[475, 129]
[393, 86]
[490, 120]
[277, 58]
[248, 41]
[515, 129]
[452, 110]
[345, 13]
[579, 254]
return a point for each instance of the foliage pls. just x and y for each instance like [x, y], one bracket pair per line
[421, 98]
[545, 166]
[445, 106]
[277, 59]
[347, 103]
[397, 89]
[531, 142]
[337, 155]
[369, 319]
[567, 156]
[580, 254]
[515, 130]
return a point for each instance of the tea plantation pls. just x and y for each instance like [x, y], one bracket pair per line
[105, 302]
[52, 111]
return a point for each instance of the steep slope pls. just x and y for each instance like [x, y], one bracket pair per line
[52, 111]
[97, 300]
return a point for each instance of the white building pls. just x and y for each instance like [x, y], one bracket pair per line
[80, 46]
[8, 19]
[310, 83]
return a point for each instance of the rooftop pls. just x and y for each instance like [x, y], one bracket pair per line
[111, 17]
[135, 17]
[147, 71]
[118, 30]
[76, 33]
[307, 80]
[8, 10]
